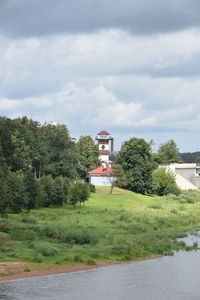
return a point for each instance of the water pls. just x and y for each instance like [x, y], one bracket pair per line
[172, 277]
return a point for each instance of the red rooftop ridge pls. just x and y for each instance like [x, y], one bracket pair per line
[103, 132]
[101, 170]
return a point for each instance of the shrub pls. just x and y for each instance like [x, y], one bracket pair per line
[80, 237]
[189, 197]
[28, 219]
[5, 242]
[23, 235]
[91, 262]
[49, 231]
[155, 206]
[45, 249]
[92, 188]
[77, 258]
[164, 182]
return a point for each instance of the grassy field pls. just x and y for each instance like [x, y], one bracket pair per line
[122, 226]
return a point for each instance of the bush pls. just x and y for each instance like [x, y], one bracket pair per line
[92, 188]
[155, 206]
[23, 235]
[164, 182]
[189, 197]
[29, 219]
[80, 237]
[5, 242]
[78, 193]
[45, 249]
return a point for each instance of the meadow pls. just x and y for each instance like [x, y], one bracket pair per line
[118, 227]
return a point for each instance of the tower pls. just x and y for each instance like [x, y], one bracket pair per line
[106, 145]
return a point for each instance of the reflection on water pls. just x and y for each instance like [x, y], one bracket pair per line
[174, 277]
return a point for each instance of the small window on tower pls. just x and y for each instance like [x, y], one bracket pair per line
[102, 147]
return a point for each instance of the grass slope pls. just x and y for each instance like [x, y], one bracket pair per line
[121, 226]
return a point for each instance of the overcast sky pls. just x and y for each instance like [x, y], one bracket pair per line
[131, 67]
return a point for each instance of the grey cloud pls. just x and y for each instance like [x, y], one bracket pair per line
[34, 17]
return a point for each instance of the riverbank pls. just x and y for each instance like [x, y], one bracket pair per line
[118, 228]
[19, 267]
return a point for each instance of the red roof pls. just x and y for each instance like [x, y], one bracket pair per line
[101, 170]
[103, 132]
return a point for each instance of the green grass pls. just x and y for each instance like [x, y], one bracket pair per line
[121, 226]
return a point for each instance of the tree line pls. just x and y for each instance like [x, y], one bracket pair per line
[41, 166]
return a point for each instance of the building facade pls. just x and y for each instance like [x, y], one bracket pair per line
[106, 145]
[101, 176]
[187, 175]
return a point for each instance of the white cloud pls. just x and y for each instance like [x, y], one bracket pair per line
[105, 79]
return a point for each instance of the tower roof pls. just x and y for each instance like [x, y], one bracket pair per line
[103, 132]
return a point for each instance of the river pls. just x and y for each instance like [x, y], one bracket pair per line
[170, 277]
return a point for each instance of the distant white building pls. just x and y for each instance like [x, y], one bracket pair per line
[187, 175]
[101, 176]
[106, 145]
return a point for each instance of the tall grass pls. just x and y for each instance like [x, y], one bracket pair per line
[122, 226]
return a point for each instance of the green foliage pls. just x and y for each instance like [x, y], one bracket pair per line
[164, 182]
[3, 191]
[74, 194]
[84, 192]
[137, 162]
[168, 153]
[79, 193]
[58, 196]
[17, 195]
[32, 190]
[5, 242]
[92, 188]
[89, 155]
[46, 191]
[189, 197]
[197, 160]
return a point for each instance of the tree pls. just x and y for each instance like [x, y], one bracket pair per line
[3, 192]
[197, 160]
[16, 196]
[168, 153]
[137, 162]
[89, 155]
[117, 177]
[164, 182]
[58, 196]
[60, 155]
[74, 197]
[84, 192]
[32, 190]
[46, 190]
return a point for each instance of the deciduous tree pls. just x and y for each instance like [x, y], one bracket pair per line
[137, 161]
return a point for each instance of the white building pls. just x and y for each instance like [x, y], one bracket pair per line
[101, 176]
[106, 145]
[187, 175]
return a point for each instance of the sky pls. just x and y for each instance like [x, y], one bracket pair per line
[130, 67]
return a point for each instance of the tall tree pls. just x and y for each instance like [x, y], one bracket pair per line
[60, 155]
[17, 196]
[137, 162]
[58, 196]
[88, 155]
[168, 153]
[32, 190]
